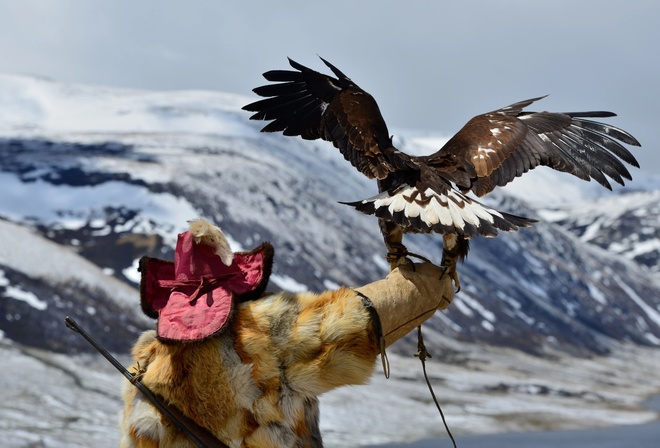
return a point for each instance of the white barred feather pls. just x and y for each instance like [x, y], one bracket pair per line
[460, 214]
[457, 219]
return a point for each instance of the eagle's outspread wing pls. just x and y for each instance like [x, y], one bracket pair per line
[313, 105]
[494, 148]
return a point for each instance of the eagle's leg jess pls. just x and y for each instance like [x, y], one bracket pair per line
[393, 236]
[454, 248]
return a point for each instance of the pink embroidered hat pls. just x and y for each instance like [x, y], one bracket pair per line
[194, 297]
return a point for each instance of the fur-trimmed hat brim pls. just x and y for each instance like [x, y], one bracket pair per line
[183, 314]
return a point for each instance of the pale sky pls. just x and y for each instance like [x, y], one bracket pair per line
[431, 65]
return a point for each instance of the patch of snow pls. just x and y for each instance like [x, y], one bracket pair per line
[16, 293]
[30, 104]
[534, 288]
[450, 323]
[591, 231]
[487, 325]
[617, 247]
[379, 261]
[131, 273]
[652, 339]
[71, 207]
[512, 302]
[235, 245]
[287, 283]
[547, 188]
[652, 314]
[422, 144]
[478, 307]
[462, 307]
[329, 284]
[28, 297]
[103, 231]
[20, 247]
[553, 215]
[596, 294]
[525, 318]
[644, 247]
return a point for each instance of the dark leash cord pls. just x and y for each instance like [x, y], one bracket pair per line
[422, 354]
[200, 436]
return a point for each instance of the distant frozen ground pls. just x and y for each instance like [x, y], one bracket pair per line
[49, 400]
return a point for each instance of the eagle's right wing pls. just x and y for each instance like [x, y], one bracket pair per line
[493, 149]
[313, 105]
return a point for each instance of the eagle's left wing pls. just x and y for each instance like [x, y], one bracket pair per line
[494, 148]
[313, 105]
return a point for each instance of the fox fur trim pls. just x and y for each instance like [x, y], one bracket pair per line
[257, 384]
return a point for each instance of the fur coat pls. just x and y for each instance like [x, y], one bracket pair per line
[256, 384]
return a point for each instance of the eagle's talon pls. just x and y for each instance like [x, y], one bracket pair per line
[409, 262]
[395, 262]
[454, 277]
[451, 272]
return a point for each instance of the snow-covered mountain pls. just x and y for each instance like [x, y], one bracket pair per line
[108, 175]
[628, 225]
[94, 178]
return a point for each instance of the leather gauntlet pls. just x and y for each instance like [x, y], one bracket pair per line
[407, 297]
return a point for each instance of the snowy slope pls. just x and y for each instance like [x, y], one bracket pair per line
[627, 225]
[42, 282]
[114, 174]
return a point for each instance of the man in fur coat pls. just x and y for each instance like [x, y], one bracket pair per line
[249, 366]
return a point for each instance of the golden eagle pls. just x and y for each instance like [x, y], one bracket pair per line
[428, 193]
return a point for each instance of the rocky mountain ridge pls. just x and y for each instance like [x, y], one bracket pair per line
[123, 180]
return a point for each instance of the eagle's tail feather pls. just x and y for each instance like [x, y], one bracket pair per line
[433, 212]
